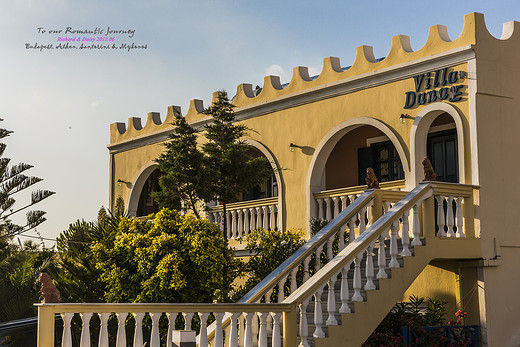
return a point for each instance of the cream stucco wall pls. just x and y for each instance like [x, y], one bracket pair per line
[314, 115]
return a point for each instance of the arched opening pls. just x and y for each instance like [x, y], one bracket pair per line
[359, 149]
[438, 133]
[146, 204]
[267, 189]
[442, 149]
[340, 161]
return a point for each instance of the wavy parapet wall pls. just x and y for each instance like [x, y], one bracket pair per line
[473, 32]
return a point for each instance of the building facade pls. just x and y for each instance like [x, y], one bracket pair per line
[455, 102]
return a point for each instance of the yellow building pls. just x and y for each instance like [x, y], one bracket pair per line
[453, 101]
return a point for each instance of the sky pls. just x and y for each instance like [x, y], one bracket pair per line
[60, 103]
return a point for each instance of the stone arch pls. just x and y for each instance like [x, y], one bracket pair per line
[316, 174]
[137, 187]
[278, 174]
[419, 135]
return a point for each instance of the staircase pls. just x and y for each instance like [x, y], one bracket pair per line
[392, 238]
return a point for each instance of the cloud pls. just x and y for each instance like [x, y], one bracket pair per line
[95, 103]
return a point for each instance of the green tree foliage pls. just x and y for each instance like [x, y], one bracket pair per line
[220, 170]
[268, 249]
[78, 278]
[231, 168]
[175, 258]
[20, 267]
[183, 170]
[12, 181]
[19, 264]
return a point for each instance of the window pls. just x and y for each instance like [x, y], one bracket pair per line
[383, 158]
[443, 153]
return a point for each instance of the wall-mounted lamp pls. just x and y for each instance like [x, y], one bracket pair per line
[119, 181]
[292, 146]
[404, 116]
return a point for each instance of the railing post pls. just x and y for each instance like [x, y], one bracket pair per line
[468, 213]
[428, 217]
[377, 207]
[290, 328]
[45, 326]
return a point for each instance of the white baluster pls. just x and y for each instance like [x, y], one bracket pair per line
[240, 223]
[281, 286]
[335, 201]
[277, 332]
[460, 221]
[85, 330]
[320, 208]
[351, 198]
[369, 268]
[66, 339]
[233, 224]
[294, 284]
[341, 239]
[449, 218]
[330, 241]
[306, 262]
[255, 327]
[441, 220]
[343, 200]
[138, 335]
[188, 316]
[328, 209]
[272, 222]
[381, 257]
[203, 335]
[369, 214]
[103, 333]
[171, 325]
[265, 222]
[121, 332]
[304, 329]
[357, 278]
[246, 221]
[318, 315]
[393, 245]
[362, 221]
[331, 302]
[344, 292]
[416, 226]
[248, 334]
[155, 340]
[405, 235]
[352, 229]
[262, 334]
[218, 330]
[215, 217]
[318, 257]
[253, 220]
[258, 218]
[233, 330]
[228, 223]
[386, 206]
[268, 295]
[221, 221]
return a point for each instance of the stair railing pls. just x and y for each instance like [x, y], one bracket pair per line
[385, 227]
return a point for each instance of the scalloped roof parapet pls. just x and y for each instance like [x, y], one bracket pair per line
[474, 31]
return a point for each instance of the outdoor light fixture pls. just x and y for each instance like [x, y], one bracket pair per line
[292, 146]
[404, 116]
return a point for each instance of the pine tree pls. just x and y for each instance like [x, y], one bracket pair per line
[230, 167]
[183, 170]
[13, 180]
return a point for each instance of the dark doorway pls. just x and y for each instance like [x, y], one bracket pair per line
[443, 153]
